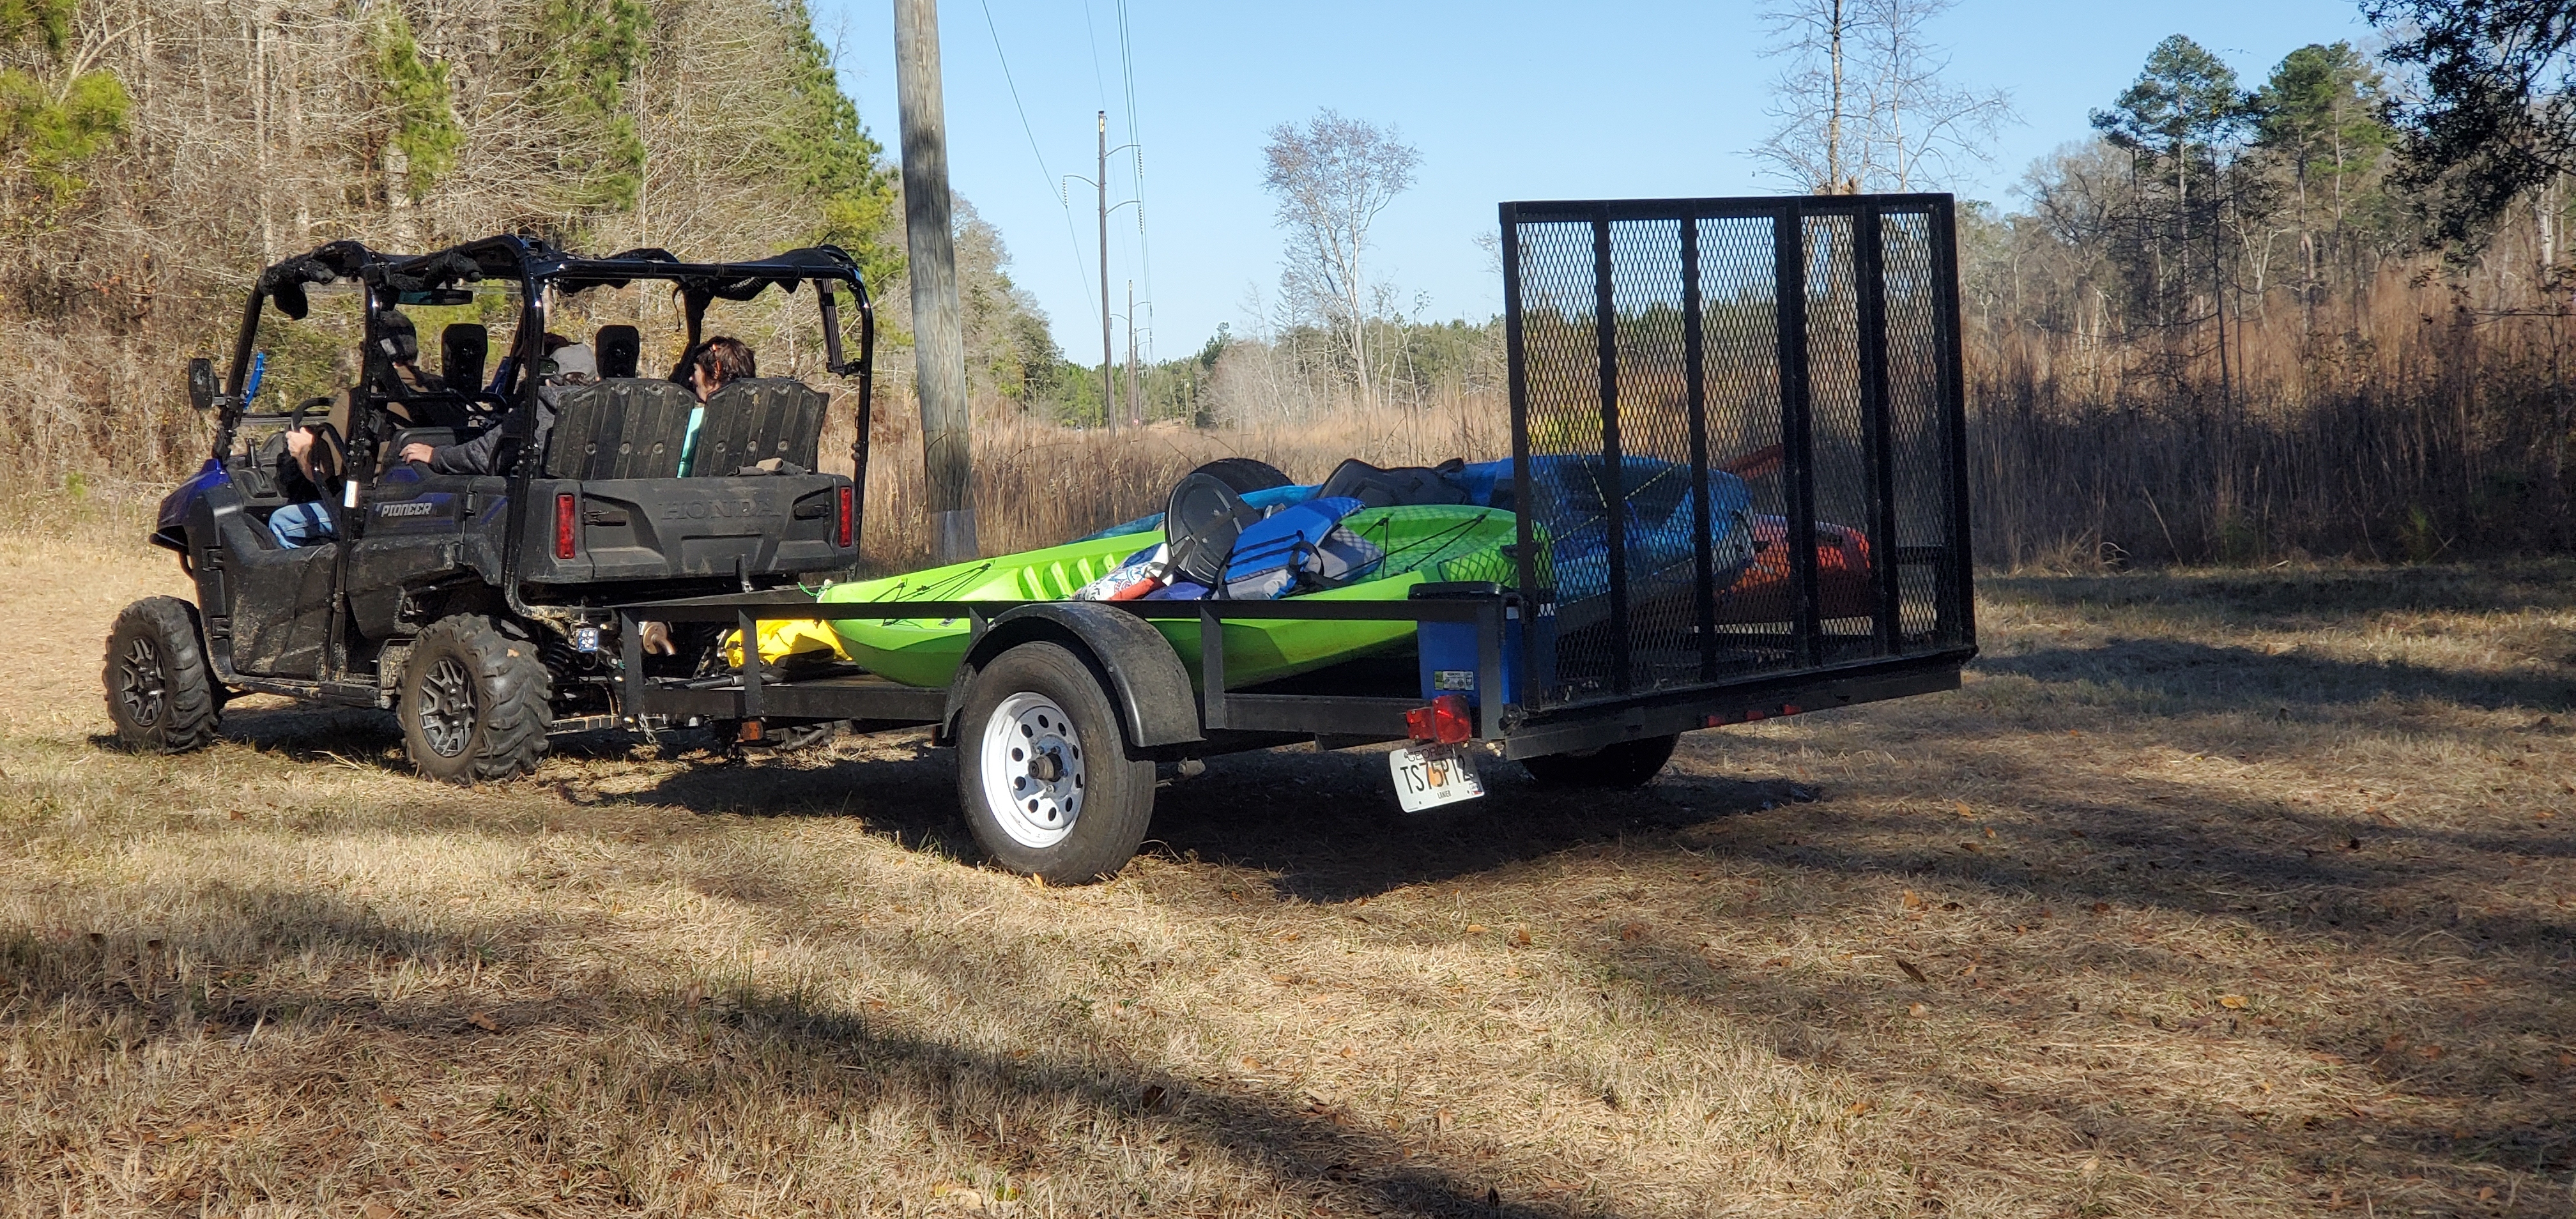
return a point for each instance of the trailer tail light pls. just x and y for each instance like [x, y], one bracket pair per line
[1445, 721]
[567, 526]
[841, 531]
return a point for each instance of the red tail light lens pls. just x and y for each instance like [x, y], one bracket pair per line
[1447, 721]
[841, 533]
[567, 526]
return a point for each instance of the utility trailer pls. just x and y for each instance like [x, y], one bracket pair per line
[1649, 341]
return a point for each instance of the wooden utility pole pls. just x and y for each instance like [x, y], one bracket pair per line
[939, 343]
[1108, 388]
[1135, 404]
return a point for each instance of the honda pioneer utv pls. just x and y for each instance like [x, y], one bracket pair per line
[473, 603]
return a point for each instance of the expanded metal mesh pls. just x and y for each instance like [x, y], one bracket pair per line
[1736, 428]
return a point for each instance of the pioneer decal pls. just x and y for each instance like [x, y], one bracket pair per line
[415, 507]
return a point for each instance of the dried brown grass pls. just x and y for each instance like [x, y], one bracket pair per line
[2228, 893]
[1038, 483]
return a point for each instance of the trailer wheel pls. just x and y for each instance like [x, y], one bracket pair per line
[1043, 772]
[473, 703]
[158, 691]
[1625, 764]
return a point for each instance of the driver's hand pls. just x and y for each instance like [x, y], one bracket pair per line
[416, 451]
[299, 443]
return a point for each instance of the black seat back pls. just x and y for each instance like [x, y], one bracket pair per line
[462, 347]
[1402, 486]
[626, 428]
[757, 418]
[617, 349]
[1201, 521]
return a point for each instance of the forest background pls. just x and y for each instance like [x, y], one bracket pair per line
[2234, 327]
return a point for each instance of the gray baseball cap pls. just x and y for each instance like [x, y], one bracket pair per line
[570, 362]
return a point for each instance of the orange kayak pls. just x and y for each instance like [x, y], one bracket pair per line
[1764, 592]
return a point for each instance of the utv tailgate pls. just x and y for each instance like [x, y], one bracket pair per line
[672, 528]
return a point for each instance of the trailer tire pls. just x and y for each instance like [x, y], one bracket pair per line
[158, 691]
[1624, 764]
[1042, 769]
[473, 703]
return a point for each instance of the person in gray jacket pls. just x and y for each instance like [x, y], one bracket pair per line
[492, 452]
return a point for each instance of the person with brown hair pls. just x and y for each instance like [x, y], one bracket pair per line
[716, 363]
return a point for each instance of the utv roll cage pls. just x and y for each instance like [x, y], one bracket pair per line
[541, 272]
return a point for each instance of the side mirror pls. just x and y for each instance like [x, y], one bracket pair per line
[201, 383]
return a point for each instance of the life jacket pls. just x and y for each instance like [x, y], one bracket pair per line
[1300, 548]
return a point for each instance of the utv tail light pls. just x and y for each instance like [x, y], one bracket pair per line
[567, 526]
[841, 532]
[1445, 721]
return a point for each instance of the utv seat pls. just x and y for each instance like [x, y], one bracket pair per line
[626, 428]
[462, 349]
[755, 419]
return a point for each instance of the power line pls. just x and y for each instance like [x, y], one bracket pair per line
[1091, 31]
[1053, 183]
[1144, 243]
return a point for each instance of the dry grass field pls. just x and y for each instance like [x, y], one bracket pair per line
[2212, 893]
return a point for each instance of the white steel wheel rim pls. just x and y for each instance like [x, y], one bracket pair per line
[1033, 770]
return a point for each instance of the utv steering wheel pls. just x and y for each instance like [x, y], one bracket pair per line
[296, 418]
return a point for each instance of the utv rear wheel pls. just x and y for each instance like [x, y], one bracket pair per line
[158, 691]
[1626, 764]
[473, 703]
[1043, 772]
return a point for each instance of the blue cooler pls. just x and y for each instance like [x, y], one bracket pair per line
[1448, 649]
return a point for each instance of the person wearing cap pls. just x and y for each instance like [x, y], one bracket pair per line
[565, 365]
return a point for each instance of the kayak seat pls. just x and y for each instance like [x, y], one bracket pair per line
[1401, 487]
[1201, 521]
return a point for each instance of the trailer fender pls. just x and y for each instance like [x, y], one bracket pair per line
[1135, 663]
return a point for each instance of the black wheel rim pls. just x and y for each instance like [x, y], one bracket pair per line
[447, 708]
[141, 684]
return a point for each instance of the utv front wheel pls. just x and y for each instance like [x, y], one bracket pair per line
[158, 691]
[1043, 772]
[474, 703]
[1625, 764]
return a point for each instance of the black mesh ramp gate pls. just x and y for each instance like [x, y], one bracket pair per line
[1737, 431]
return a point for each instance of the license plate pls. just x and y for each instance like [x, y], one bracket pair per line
[1431, 777]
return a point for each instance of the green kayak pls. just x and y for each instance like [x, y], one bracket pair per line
[1422, 545]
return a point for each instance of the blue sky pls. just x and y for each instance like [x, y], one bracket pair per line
[1506, 99]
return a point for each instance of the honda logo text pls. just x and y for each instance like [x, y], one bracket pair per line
[716, 510]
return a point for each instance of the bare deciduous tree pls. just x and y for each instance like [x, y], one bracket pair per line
[1332, 176]
[1863, 104]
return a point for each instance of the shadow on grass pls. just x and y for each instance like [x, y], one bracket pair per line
[2295, 599]
[2198, 677]
[666, 1064]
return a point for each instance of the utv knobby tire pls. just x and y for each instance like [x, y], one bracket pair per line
[1625, 764]
[158, 690]
[1042, 769]
[474, 702]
